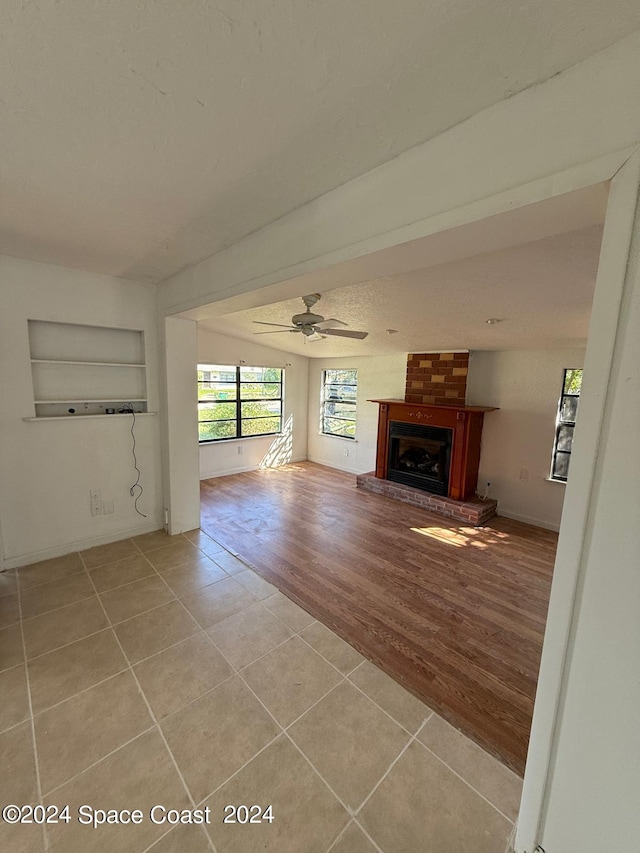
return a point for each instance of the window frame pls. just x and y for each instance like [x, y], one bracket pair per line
[237, 385]
[324, 401]
[564, 422]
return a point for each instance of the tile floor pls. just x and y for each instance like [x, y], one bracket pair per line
[163, 671]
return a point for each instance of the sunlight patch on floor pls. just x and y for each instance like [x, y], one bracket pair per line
[458, 538]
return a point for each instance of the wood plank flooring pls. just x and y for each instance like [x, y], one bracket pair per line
[454, 613]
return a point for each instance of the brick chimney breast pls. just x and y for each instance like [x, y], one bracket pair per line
[437, 378]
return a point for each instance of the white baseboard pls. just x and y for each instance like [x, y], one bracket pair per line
[527, 519]
[80, 545]
[331, 464]
[242, 469]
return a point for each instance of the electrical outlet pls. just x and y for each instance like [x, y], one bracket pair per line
[346, 453]
[524, 473]
[240, 450]
[95, 501]
[108, 506]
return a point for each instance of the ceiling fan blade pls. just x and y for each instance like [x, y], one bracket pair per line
[330, 324]
[345, 333]
[261, 323]
[277, 332]
[314, 337]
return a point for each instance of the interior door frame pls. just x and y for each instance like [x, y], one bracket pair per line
[579, 500]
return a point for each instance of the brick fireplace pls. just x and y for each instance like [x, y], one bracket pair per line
[428, 450]
[437, 378]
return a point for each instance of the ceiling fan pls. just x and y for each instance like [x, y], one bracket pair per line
[313, 326]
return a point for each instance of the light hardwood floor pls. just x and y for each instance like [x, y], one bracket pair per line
[456, 614]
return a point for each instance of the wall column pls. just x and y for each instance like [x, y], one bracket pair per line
[180, 419]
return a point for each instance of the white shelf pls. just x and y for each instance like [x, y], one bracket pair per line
[87, 363]
[85, 400]
[87, 417]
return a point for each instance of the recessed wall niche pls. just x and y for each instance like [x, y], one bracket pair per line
[86, 370]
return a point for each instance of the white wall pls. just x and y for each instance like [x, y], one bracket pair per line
[378, 377]
[48, 468]
[180, 421]
[248, 454]
[525, 386]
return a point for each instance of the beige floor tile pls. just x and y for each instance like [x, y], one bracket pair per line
[49, 596]
[285, 609]
[183, 839]
[173, 678]
[155, 630]
[18, 778]
[173, 555]
[18, 786]
[290, 679]
[248, 635]
[333, 648]
[350, 741]
[208, 545]
[9, 610]
[128, 601]
[139, 775]
[154, 540]
[199, 537]
[394, 699]
[11, 648]
[255, 584]
[14, 706]
[215, 735]
[422, 806]
[215, 602]
[77, 733]
[46, 571]
[24, 838]
[353, 840]
[60, 674]
[232, 565]
[307, 816]
[102, 554]
[63, 626]
[192, 576]
[8, 583]
[482, 771]
[122, 572]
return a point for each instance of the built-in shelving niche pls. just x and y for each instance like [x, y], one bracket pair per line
[86, 370]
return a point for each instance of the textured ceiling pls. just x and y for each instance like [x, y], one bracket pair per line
[140, 136]
[540, 291]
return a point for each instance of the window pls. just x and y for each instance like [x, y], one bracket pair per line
[237, 402]
[338, 403]
[565, 423]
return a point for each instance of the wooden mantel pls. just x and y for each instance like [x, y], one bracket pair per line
[464, 421]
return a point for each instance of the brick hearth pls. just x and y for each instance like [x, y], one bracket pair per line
[474, 512]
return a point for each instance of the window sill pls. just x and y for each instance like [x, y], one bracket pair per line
[242, 438]
[341, 437]
[553, 480]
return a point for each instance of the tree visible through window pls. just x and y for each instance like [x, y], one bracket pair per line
[565, 423]
[338, 402]
[238, 402]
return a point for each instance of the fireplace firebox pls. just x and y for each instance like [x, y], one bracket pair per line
[420, 456]
[429, 447]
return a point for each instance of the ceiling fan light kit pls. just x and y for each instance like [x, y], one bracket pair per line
[314, 327]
